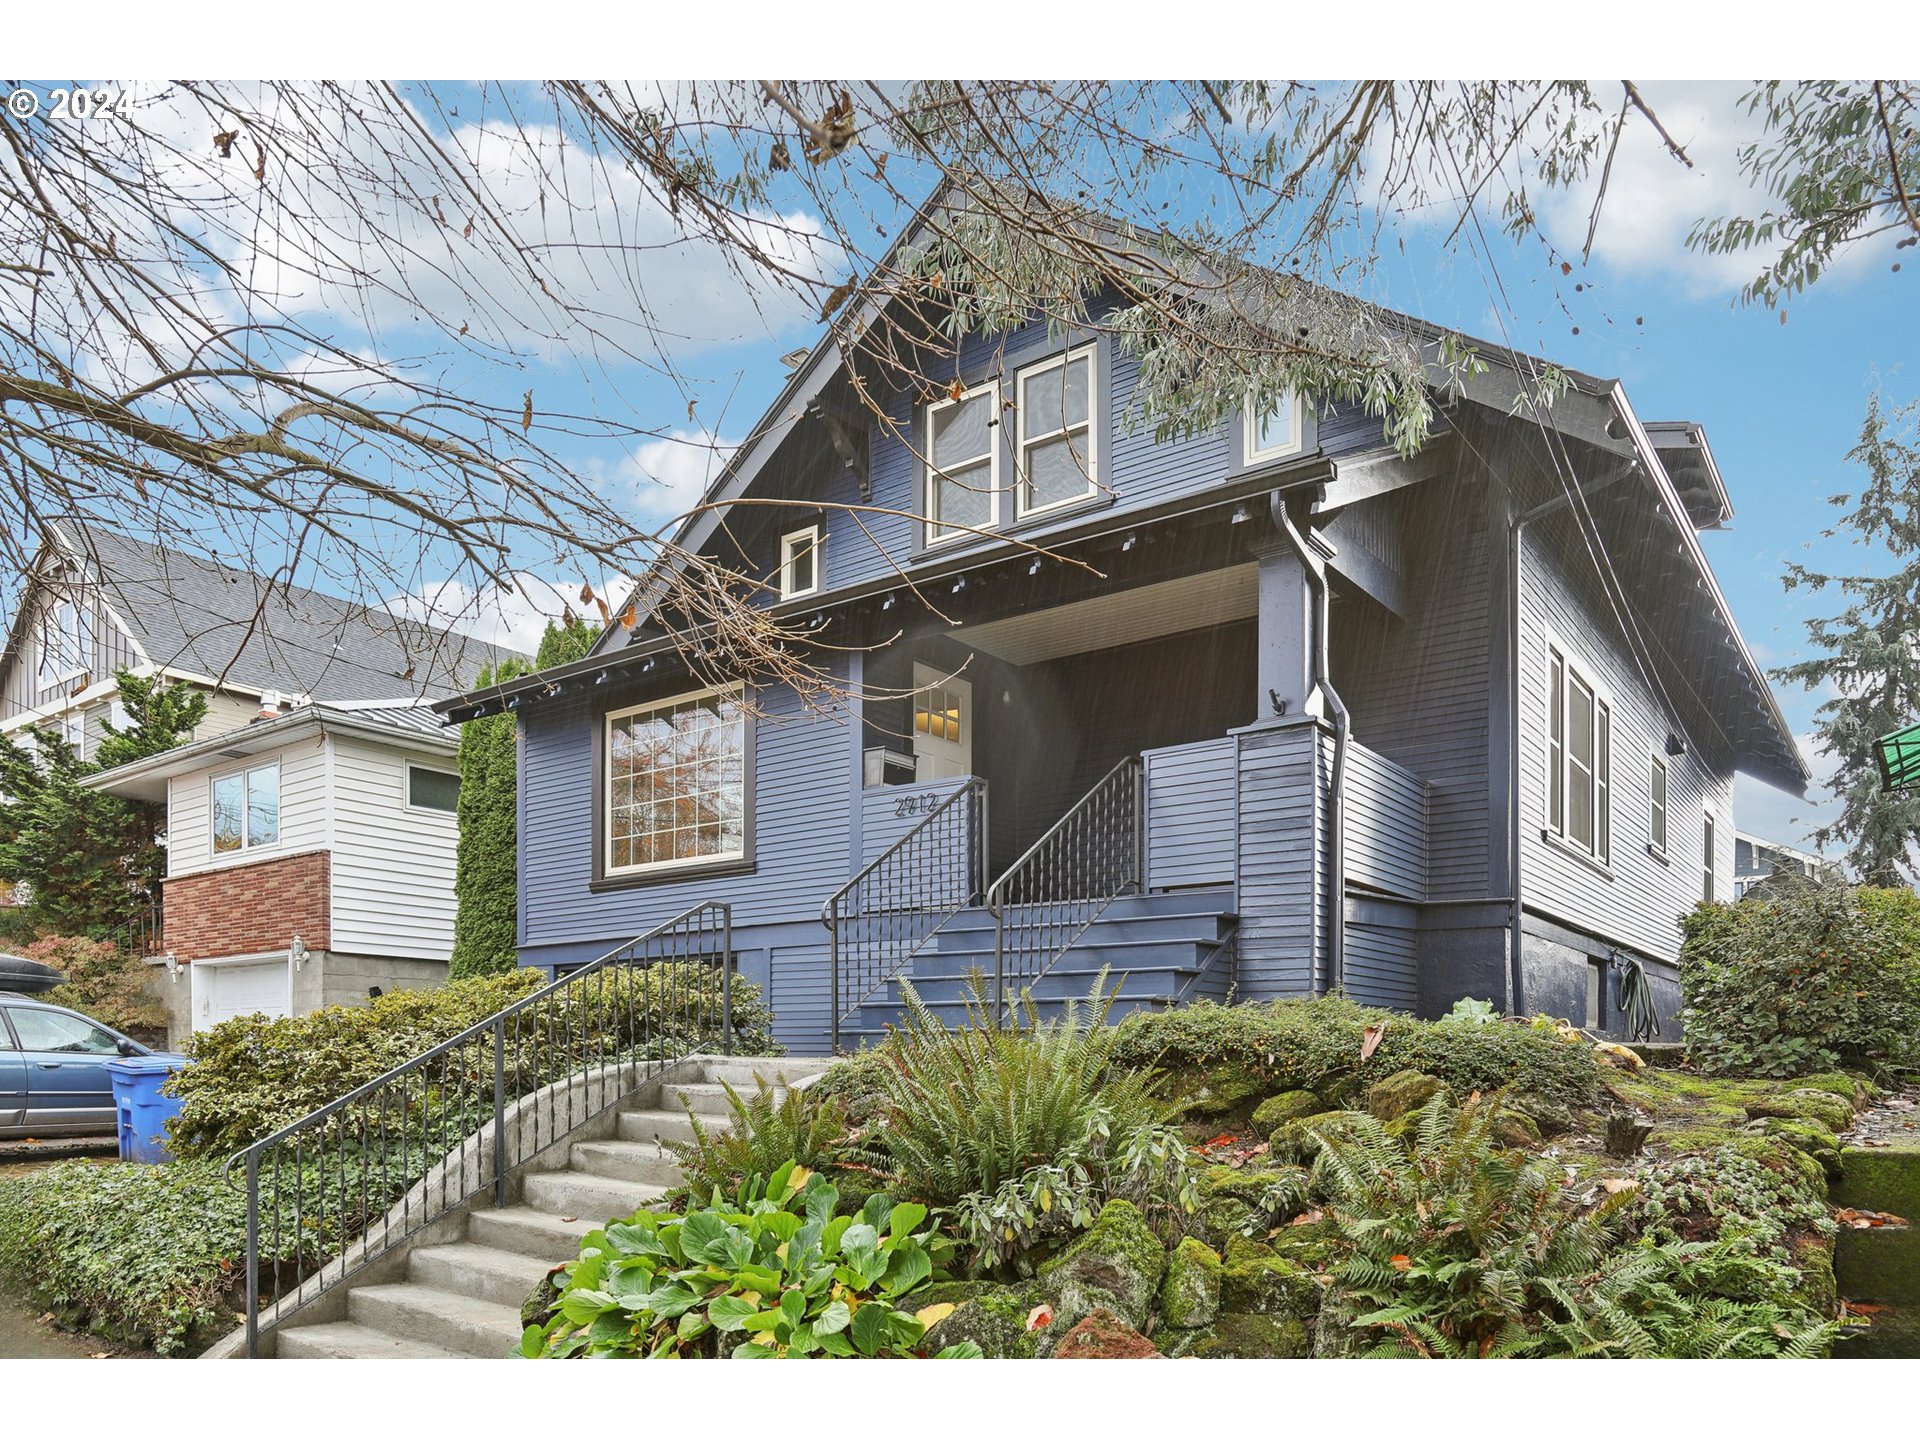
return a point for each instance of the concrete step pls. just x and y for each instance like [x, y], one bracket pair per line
[641, 1160]
[437, 1317]
[589, 1197]
[1081, 964]
[708, 1100]
[1210, 901]
[659, 1125]
[1205, 927]
[1058, 985]
[524, 1230]
[344, 1340]
[500, 1277]
[868, 1025]
[740, 1073]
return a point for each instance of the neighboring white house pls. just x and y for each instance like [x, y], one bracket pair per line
[1755, 860]
[310, 860]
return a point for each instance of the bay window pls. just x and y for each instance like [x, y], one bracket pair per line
[676, 783]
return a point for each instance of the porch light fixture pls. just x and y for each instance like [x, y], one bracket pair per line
[601, 678]
[647, 669]
[1675, 745]
[513, 702]
[1129, 542]
[173, 967]
[887, 604]
[1898, 756]
[297, 952]
[1241, 515]
[959, 585]
[1034, 568]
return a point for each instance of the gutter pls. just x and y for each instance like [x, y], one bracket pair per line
[285, 727]
[1342, 733]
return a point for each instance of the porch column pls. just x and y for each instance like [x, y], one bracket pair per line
[1284, 659]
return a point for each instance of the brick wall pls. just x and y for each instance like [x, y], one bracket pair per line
[249, 908]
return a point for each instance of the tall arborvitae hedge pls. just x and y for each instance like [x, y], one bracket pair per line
[486, 926]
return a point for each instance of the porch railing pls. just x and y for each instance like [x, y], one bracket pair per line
[881, 917]
[339, 1187]
[1092, 854]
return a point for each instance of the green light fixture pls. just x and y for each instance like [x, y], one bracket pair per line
[1899, 757]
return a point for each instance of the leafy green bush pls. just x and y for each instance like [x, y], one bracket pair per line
[764, 1133]
[1806, 978]
[252, 1076]
[776, 1273]
[102, 982]
[146, 1254]
[1459, 1247]
[1020, 1133]
[1242, 1053]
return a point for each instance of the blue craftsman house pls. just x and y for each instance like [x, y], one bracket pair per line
[1261, 712]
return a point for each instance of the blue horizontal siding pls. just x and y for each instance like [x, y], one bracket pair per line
[1385, 823]
[1190, 814]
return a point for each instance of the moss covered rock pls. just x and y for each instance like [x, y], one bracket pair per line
[1217, 1090]
[1255, 1279]
[1117, 1265]
[1402, 1094]
[1103, 1335]
[1548, 1115]
[1768, 1150]
[1277, 1110]
[1805, 1104]
[1515, 1130]
[1239, 1337]
[1808, 1136]
[1248, 1201]
[1190, 1294]
[540, 1306]
[1885, 1178]
[1296, 1142]
[994, 1317]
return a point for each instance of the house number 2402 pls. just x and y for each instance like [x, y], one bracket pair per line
[915, 804]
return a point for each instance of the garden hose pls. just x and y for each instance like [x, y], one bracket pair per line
[1636, 998]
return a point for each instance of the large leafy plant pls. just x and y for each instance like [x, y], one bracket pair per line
[774, 1273]
[1021, 1132]
[765, 1131]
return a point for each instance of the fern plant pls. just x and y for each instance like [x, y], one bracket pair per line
[766, 1132]
[1460, 1248]
[1020, 1132]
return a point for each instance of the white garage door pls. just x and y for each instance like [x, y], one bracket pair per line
[224, 991]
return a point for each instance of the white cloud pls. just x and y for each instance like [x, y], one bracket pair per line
[1760, 809]
[666, 477]
[514, 616]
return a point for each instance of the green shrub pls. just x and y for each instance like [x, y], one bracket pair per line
[1807, 978]
[1458, 1247]
[1243, 1053]
[1021, 1133]
[102, 982]
[146, 1254]
[775, 1274]
[252, 1076]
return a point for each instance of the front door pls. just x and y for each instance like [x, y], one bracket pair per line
[942, 725]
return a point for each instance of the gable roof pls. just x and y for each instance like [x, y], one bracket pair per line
[217, 623]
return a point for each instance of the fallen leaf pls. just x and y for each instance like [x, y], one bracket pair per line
[932, 1315]
[1309, 1217]
[1039, 1317]
[526, 414]
[1401, 1263]
[956, 391]
[1370, 1039]
[1616, 1184]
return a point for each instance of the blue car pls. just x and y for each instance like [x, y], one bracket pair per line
[53, 1070]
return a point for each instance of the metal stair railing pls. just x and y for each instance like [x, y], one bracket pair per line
[337, 1188]
[881, 917]
[1092, 855]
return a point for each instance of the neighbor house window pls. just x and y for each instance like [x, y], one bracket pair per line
[433, 789]
[1057, 450]
[963, 463]
[246, 809]
[1706, 860]
[1273, 428]
[66, 644]
[1579, 759]
[676, 782]
[800, 562]
[1657, 805]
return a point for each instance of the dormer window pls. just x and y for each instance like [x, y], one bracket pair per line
[1274, 429]
[1057, 448]
[963, 463]
[800, 562]
[66, 645]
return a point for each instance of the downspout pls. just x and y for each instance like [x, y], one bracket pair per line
[1342, 730]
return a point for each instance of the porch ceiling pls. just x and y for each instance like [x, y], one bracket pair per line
[1146, 612]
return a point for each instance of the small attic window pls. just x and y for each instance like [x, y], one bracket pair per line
[800, 562]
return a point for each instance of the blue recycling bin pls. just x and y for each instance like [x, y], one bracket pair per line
[142, 1109]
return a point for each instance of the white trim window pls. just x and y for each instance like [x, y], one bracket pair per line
[66, 644]
[1056, 453]
[800, 556]
[432, 789]
[1273, 432]
[963, 463]
[246, 809]
[1709, 844]
[1579, 757]
[676, 782]
[1657, 804]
